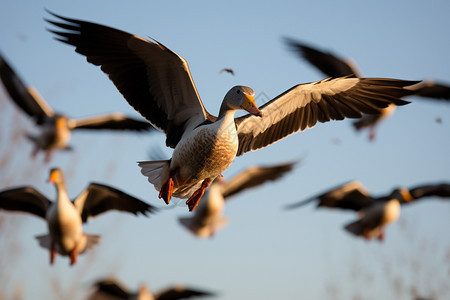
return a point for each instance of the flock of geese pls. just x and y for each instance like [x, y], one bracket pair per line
[157, 83]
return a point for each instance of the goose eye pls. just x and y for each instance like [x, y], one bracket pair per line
[238, 91]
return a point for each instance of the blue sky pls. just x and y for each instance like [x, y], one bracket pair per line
[264, 252]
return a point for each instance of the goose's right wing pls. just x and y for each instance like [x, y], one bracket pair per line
[24, 199]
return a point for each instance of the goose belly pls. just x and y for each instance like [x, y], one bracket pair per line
[50, 138]
[391, 212]
[65, 227]
[205, 155]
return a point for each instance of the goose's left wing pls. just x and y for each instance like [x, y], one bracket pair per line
[439, 190]
[99, 198]
[304, 105]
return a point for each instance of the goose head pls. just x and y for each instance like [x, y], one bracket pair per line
[56, 176]
[240, 97]
[402, 195]
[144, 293]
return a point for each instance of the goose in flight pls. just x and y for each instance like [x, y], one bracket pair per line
[334, 66]
[207, 218]
[110, 289]
[55, 127]
[158, 84]
[64, 217]
[375, 213]
[228, 70]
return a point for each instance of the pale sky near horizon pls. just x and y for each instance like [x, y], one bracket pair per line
[264, 252]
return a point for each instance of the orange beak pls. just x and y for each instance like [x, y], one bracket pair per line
[250, 105]
[52, 177]
[406, 195]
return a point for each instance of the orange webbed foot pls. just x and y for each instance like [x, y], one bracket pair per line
[73, 256]
[52, 256]
[167, 190]
[193, 201]
[372, 134]
[52, 253]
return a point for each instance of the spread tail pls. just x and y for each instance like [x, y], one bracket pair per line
[157, 171]
[87, 242]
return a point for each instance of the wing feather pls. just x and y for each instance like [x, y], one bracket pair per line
[154, 80]
[25, 199]
[115, 121]
[303, 105]
[27, 98]
[99, 198]
[255, 176]
[352, 195]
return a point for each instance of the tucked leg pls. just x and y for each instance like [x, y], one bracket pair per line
[48, 156]
[73, 256]
[193, 201]
[52, 253]
[372, 133]
[35, 152]
[366, 233]
[381, 235]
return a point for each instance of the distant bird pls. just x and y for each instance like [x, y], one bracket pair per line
[334, 66]
[64, 217]
[227, 70]
[157, 82]
[56, 128]
[375, 212]
[208, 218]
[112, 290]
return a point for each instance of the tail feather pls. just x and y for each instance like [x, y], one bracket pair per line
[157, 171]
[206, 230]
[355, 228]
[44, 241]
[87, 242]
[92, 240]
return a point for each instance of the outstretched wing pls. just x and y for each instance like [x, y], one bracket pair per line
[326, 62]
[255, 176]
[24, 199]
[304, 105]
[153, 79]
[99, 198]
[439, 190]
[27, 98]
[351, 195]
[431, 89]
[181, 292]
[114, 121]
[111, 288]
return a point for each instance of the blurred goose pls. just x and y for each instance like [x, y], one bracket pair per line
[227, 70]
[64, 217]
[158, 84]
[112, 290]
[56, 128]
[208, 218]
[333, 66]
[375, 212]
